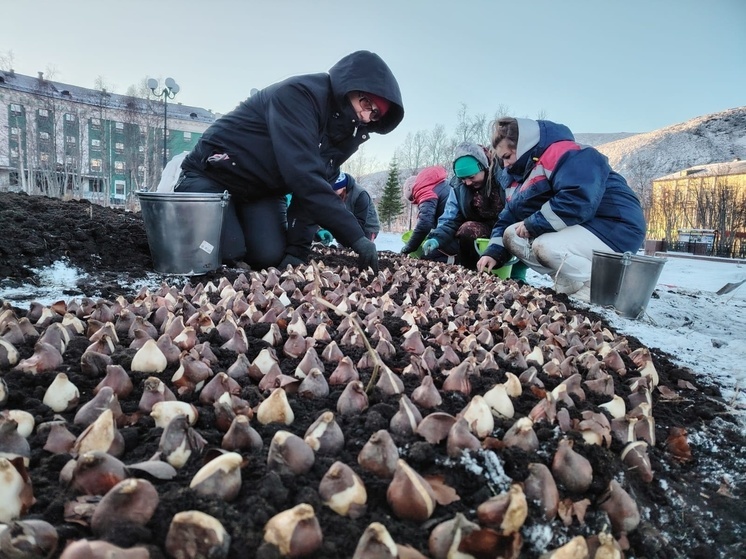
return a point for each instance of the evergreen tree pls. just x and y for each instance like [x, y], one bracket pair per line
[390, 207]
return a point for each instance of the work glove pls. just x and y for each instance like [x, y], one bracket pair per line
[290, 260]
[429, 246]
[325, 237]
[367, 253]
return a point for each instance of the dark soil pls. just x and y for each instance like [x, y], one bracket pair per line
[693, 508]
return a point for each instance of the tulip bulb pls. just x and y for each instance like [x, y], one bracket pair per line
[289, 454]
[99, 549]
[16, 494]
[571, 469]
[220, 477]
[342, 490]
[409, 495]
[28, 539]
[131, 501]
[379, 455]
[275, 409]
[149, 359]
[325, 435]
[62, 395]
[376, 542]
[195, 534]
[446, 537]
[295, 532]
[164, 412]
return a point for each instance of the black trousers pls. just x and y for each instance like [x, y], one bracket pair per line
[253, 231]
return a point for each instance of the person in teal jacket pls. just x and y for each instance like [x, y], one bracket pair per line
[563, 201]
[474, 202]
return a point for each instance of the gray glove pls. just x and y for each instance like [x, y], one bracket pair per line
[405, 250]
[367, 253]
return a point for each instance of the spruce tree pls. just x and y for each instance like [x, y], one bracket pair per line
[390, 206]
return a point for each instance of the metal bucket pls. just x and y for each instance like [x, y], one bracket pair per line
[184, 230]
[624, 281]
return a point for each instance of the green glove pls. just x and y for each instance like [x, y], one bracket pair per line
[429, 246]
[325, 236]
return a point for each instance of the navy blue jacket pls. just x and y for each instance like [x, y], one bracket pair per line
[559, 183]
[292, 137]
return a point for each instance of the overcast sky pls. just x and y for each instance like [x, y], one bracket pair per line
[595, 65]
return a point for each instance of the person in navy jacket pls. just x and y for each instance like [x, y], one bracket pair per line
[563, 201]
[292, 137]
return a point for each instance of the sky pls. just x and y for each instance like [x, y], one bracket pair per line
[599, 66]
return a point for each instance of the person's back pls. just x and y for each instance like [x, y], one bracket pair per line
[429, 192]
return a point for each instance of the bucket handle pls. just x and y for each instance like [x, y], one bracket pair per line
[225, 198]
[626, 258]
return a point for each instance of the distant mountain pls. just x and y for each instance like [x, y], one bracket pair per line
[713, 138]
[596, 140]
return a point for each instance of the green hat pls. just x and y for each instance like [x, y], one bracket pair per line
[466, 166]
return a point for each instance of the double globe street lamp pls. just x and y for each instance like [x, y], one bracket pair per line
[169, 91]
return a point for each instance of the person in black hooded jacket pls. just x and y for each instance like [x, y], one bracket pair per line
[292, 137]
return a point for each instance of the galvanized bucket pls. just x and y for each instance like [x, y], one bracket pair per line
[624, 281]
[184, 230]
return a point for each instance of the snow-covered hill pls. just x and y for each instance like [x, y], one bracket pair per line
[713, 138]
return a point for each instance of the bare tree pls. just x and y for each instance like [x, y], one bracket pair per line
[640, 175]
[438, 147]
[720, 205]
[669, 211]
[360, 163]
[7, 60]
[411, 154]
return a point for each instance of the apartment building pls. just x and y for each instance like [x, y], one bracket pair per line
[67, 141]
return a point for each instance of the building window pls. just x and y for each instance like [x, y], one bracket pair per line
[14, 153]
[69, 159]
[15, 131]
[71, 139]
[95, 123]
[43, 113]
[119, 188]
[119, 146]
[188, 136]
[141, 149]
[96, 144]
[15, 108]
[119, 165]
[44, 136]
[69, 117]
[44, 157]
[95, 164]
[119, 125]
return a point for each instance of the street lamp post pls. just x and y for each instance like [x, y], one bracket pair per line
[169, 91]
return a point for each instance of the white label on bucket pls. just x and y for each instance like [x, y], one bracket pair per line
[207, 247]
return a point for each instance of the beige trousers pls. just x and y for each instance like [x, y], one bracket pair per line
[566, 255]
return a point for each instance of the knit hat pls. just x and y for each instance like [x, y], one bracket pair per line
[466, 166]
[382, 104]
[341, 182]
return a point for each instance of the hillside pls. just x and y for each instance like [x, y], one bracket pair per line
[713, 138]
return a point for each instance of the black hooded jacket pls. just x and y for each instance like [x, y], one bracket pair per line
[292, 137]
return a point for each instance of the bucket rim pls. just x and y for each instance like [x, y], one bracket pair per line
[147, 195]
[630, 256]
